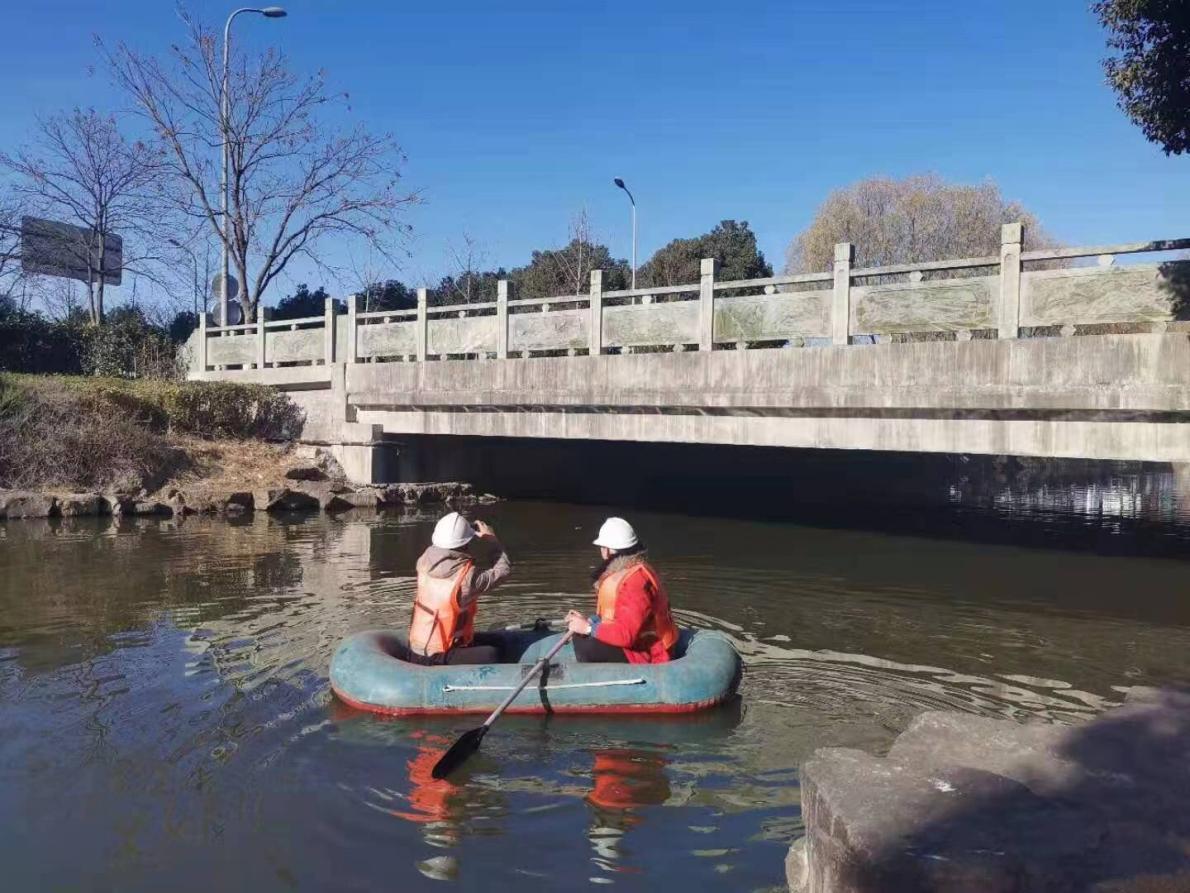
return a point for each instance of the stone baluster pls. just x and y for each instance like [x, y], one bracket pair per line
[260, 320]
[329, 331]
[202, 341]
[1009, 316]
[502, 319]
[352, 328]
[423, 330]
[841, 305]
[595, 344]
[708, 266]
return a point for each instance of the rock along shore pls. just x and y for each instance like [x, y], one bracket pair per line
[317, 484]
[967, 803]
[301, 497]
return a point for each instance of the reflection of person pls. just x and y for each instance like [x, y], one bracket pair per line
[623, 778]
[429, 797]
[633, 623]
[442, 630]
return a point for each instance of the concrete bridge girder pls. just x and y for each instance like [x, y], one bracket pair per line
[1098, 397]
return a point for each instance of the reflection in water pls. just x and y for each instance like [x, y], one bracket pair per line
[163, 696]
[624, 780]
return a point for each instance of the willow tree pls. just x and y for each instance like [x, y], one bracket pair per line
[919, 218]
[295, 178]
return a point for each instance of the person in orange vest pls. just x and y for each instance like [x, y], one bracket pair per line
[632, 623]
[442, 630]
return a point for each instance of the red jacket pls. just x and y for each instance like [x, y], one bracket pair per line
[636, 602]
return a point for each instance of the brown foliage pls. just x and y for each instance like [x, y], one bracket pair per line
[96, 433]
[62, 437]
[920, 218]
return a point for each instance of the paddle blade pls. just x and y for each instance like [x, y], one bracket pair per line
[459, 752]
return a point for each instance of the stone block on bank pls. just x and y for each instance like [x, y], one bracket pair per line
[334, 502]
[362, 499]
[286, 500]
[74, 505]
[147, 507]
[26, 504]
[967, 803]
[306, 473]
[237, 502]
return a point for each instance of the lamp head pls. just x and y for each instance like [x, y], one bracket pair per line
[274, 12]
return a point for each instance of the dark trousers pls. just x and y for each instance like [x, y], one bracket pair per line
[590, 650]
[484, 649]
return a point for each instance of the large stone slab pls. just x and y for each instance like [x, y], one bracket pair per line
[26, 504]
[72, 505]
[966, 803]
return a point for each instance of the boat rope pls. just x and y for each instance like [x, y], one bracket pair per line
[640, 681]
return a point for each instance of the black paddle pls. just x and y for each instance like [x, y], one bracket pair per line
[469, 743]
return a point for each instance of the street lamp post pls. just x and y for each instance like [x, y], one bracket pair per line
[620, 183]
[269, 12]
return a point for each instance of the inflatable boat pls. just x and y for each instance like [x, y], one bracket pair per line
[368, 673]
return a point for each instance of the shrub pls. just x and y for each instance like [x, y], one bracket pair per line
[224, 409]
[126, 345]
[74, 431]
[64, 437]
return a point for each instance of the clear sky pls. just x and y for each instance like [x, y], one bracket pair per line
[514, 115]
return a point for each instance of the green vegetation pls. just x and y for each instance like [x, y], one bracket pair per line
[95, 433]
[125, 344]
[1151, 73]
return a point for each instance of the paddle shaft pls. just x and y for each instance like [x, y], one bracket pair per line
[537, 668]
[470, 741]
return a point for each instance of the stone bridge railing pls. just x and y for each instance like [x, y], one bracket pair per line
[1000, 295]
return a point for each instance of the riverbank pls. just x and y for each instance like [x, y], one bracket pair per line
[74, 446]
[964, 802]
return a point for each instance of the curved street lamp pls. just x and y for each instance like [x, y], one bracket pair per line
[269, 12]
[620, 183]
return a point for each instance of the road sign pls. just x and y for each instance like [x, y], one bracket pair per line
[233, 286]
[52, 248]
[235, 314]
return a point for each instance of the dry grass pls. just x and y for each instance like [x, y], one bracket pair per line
[225, 466]
[75, 433]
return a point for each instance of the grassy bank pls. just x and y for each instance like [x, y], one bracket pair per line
[84, 433]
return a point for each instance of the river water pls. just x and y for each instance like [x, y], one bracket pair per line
[166, 722]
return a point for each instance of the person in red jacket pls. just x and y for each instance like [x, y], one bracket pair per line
[632, 623]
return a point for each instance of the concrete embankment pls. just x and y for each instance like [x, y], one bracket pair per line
[967, 803]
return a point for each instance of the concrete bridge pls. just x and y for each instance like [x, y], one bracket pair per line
[1017, 354]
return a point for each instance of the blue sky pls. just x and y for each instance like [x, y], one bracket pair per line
[516, 115]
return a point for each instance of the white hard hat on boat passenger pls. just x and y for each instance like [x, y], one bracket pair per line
[452, 531]
[616, 534]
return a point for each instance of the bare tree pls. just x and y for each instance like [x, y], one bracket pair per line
[11, 280]
[919, 218]
[60, 298]
[194, 257]
[567, 270]
[468, 258]
[574, 261]
[293, 179]
[83, 171]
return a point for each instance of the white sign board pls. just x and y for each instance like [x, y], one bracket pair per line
[59, 249]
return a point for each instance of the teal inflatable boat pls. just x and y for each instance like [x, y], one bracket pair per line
[367, 673]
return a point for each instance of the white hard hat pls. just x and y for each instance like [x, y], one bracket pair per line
[452, 531]
[617, 534]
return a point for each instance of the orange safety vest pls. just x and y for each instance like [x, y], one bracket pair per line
[660, 624]
[439, 623]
